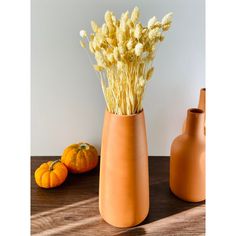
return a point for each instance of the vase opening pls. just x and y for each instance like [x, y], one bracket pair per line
[195, 122]
[125, 115]
[196, 110]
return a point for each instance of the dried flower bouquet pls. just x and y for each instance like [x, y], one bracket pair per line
[124, 51]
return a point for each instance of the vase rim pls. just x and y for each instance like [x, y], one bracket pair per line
[195, 111]
[124, 116]
[203, 89]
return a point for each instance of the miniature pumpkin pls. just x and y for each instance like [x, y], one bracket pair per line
[51, 174]
[80, 158]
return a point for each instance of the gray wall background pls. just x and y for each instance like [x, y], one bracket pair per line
[67, 104]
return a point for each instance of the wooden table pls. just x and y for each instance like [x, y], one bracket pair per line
[72, 208]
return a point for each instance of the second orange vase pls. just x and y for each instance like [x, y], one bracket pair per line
[124, 181]
[187, 161]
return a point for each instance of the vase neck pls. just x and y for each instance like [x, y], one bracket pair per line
[195, 122]
[202, 100]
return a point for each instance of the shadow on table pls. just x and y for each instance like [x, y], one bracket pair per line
[133, 232]
[163, 203]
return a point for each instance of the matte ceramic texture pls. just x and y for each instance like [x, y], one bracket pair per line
[202, 106]
[187, 162]
[124, 180]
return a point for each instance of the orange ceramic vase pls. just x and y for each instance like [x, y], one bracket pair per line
[202, 106]
[187, 162]
[124, 181]
[202, 100]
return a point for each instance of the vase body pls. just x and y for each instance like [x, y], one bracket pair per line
[202, 106]
[124, 179]
[187, 161]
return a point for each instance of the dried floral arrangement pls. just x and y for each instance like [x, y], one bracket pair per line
[124, 50]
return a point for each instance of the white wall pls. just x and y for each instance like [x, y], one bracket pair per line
[67, 101]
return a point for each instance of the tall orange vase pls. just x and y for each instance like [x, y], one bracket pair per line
[187, 161]
[124, 181]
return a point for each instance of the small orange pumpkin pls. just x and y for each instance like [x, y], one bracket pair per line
[51, 174]
[80, 158]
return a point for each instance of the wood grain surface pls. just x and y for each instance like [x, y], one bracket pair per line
[72, 208]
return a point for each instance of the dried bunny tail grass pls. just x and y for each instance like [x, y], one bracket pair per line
[124, 16]
[130, 44]
[83, 33]
[152, 22]
[94, 26]
[113, 20]
[138, 31]
[149, 73]
[108, 18]
[165, 27]
[167, 19]
[82, 44]
[100, 59]
[116, 54]
[98, 68]
[121, 49]
[135, 15]
[124, 50]
[120, 35]
[154, 33]
[91, 47]
[104, 29]
[110, 58]
[138, 49]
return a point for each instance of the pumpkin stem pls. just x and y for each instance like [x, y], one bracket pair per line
[53, 163]
[83, 146]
